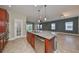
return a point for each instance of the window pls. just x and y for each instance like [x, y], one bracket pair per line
[36, 26]
[69, 26]
[29, 27]
[40, 26]
[53, 26]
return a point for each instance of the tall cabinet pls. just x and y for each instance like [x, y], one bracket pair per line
[4, 20]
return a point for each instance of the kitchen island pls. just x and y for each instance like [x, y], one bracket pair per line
[42, 41]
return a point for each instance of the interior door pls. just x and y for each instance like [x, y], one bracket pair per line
[18, 28]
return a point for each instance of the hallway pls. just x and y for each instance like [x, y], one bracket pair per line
[19, 45]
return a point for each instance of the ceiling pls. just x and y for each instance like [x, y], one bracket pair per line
[53, 12]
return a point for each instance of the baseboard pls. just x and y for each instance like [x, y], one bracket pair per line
[17, 37]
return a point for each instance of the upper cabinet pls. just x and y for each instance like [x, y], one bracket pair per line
[3, 15]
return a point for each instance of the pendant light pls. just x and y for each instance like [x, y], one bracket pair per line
[45, 12]
[39, 16]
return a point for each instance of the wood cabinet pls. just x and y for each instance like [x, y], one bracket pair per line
[4, 19]
[3, 15]
[41, 44]
[28, 37]
[31, 39]
[49, 45]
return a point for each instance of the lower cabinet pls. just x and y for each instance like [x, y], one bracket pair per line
[49, 46]
[43, 45]
[40, 44]
[31, 39]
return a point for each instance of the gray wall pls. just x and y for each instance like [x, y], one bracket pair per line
[60, 25]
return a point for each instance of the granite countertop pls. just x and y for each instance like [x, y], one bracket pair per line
[45, 34]
[50, 34]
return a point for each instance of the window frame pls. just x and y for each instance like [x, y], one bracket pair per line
[29, 25]
[71, 25]
[40, 26]
[53, 26]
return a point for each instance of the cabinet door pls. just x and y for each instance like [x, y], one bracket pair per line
[30, 36]
[2, 15]
[33, 40]
[27, 36]
[2, 26]
[49, 45]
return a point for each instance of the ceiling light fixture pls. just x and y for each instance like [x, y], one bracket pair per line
[39, 17]
[62, 16]
[45, 18]
[45, 12]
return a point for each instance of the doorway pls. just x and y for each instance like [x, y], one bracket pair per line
[18, 31]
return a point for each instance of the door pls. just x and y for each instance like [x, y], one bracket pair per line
[18, 28]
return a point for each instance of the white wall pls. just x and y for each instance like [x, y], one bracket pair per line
[12, 16]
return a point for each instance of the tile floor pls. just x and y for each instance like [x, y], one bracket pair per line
[19, 45]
